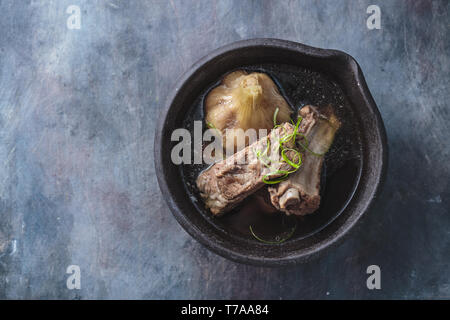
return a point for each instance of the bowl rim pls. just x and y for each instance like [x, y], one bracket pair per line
[325, 244]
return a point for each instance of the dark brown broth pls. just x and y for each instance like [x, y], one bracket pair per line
[340, 174]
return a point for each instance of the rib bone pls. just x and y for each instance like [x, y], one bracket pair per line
[299, 194]
[226, 183]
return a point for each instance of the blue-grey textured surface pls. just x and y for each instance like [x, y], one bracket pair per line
[78, 110]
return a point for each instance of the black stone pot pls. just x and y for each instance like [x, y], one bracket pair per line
[346, 72]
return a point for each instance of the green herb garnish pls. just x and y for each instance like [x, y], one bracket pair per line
[292, 164]
[275, 117]
[263, 156]
[291, 233]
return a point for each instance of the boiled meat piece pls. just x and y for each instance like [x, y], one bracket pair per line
[299, 194]
[226, 183]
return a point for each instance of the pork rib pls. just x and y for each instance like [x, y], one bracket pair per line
[300, 193]
[226, 183]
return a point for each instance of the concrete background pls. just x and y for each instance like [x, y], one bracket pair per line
[78, 110]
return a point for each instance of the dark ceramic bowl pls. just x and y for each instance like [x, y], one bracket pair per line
[331, 224]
